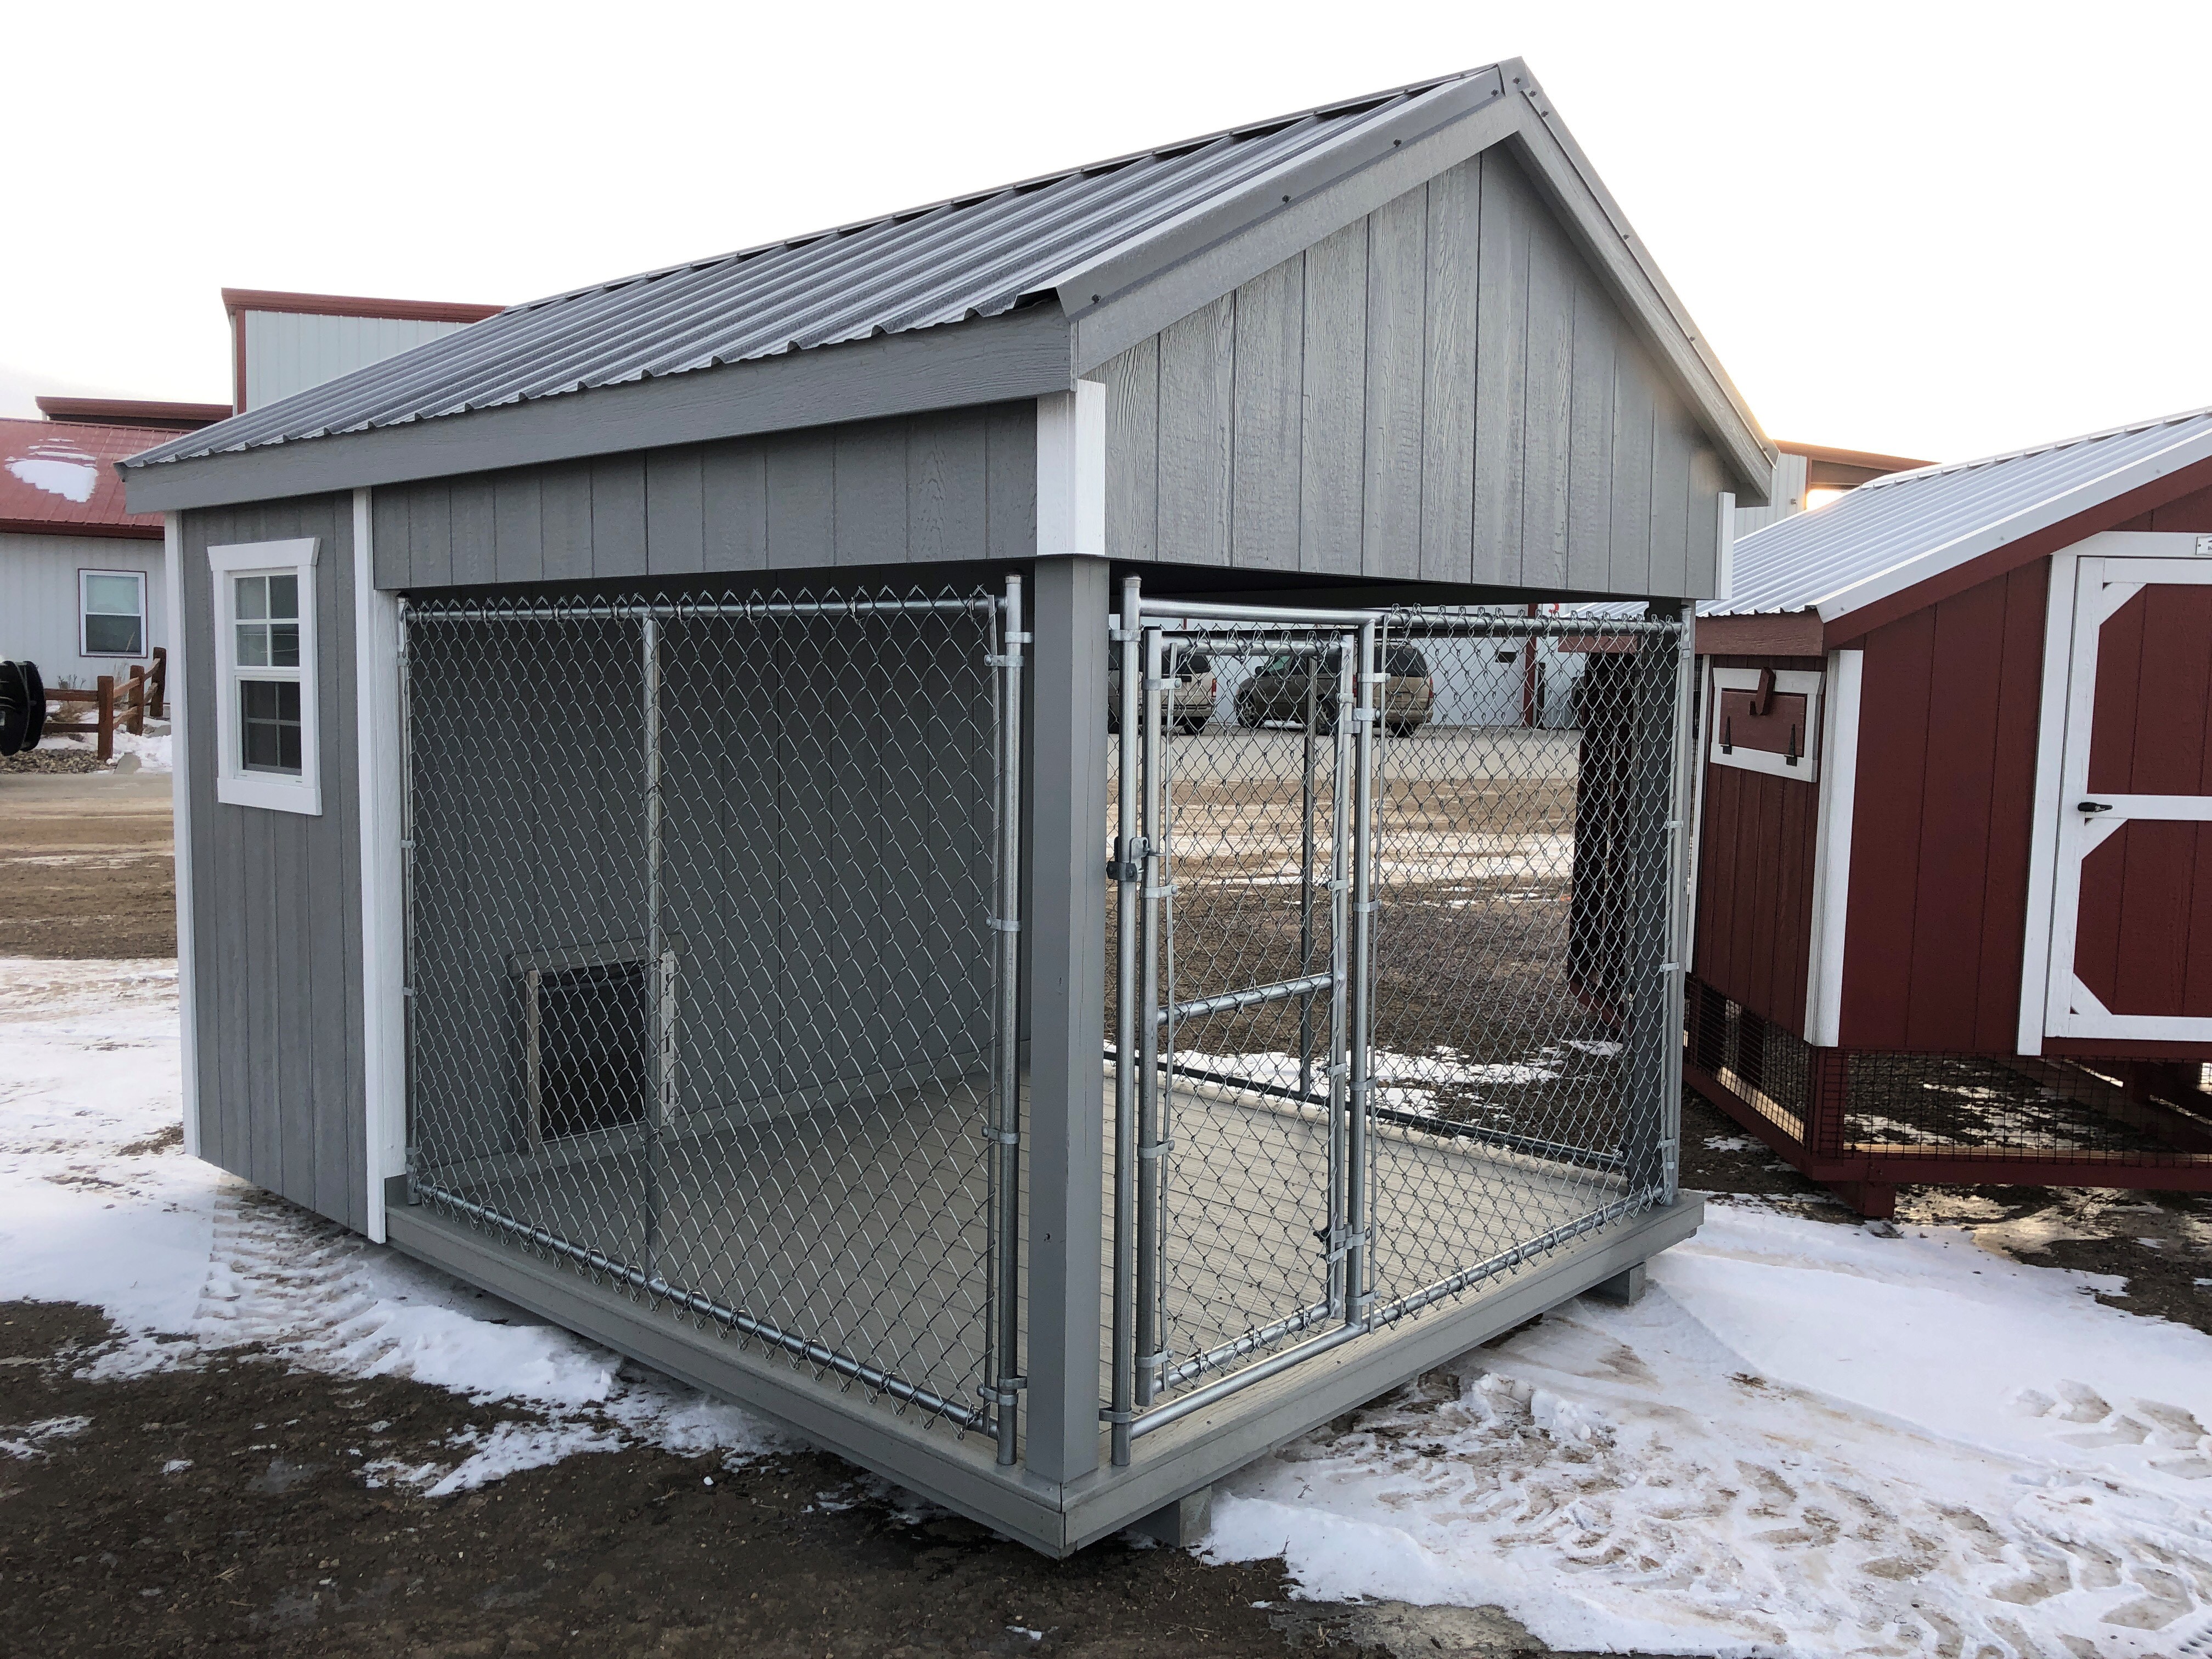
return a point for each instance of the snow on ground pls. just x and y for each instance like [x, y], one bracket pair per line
[1805, 1440]
[98, 1204]
[152, 750]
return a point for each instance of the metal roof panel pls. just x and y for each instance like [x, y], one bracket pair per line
[1894, 531]
[979, 255]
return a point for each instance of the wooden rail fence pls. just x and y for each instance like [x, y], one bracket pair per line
[129, 703]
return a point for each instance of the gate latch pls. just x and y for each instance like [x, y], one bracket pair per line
[1130, 866]
[2094, 806]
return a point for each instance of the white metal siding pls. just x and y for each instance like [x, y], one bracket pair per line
[288, 352]
[37, 601]
[1788, 497]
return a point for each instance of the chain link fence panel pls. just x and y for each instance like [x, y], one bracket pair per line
[710, 966]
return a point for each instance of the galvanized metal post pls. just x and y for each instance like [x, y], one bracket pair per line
[1128, 877]
[655, 1084]
[1340, 1292]
[1372, 685]
[407, 885]
[1006, 1127]
[1306, 887]
[1682, 866]
[1149, 1357]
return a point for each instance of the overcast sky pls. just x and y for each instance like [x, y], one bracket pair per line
[1936, 229]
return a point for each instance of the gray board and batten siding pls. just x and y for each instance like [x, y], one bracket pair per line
[1440, 392]
[946, 488]
[276, 932]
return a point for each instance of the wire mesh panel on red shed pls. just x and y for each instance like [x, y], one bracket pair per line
[710, 966]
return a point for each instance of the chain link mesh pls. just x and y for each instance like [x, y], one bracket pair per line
[704, 979]
[1953, 1114]
[1518, 1030]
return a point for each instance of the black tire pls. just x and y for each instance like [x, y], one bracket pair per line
[14, 707]
[1191, 724]
[35, 685]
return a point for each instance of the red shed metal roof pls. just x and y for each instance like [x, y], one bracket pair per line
[59, 478]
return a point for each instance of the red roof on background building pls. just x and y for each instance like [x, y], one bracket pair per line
[59, 478]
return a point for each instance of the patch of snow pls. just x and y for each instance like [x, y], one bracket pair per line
[98, 1206]
[1804, 1439]
[59, 468]
[29, 1440]
[152, 749]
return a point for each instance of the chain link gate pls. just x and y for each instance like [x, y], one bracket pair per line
[711, 966]
[1392, 987]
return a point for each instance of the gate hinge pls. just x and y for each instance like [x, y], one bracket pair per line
[1125, 869]
[1107, 1414]
[1005, 924]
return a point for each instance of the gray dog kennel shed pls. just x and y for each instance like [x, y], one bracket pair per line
[1042, 837]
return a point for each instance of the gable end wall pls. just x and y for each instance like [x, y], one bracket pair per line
[1442, 391]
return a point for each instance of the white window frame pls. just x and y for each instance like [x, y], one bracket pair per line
[233, 784]
[145, 622]
[1810, 683]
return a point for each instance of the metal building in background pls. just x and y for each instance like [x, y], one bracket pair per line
[1043, 836]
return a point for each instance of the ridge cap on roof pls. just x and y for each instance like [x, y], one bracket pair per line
[1942, 468]
[1335, 107]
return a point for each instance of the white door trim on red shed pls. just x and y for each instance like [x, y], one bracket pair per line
[1831, 848]
[2089, 581]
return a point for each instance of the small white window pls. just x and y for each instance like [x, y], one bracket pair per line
[264, 644]
[111, 613]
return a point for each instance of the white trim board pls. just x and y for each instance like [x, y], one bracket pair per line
[1832, 849]
[2089, 581]
[1799, 681]
[233, 784]
[1071, 473]
[383, 941]
[180, 809]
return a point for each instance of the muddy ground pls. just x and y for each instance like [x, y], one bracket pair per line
[219, 1510]
[86, 861]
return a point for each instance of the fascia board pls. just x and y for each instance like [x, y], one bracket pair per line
[1022, 355]
[2056, 510]
[1099, 282]
[1619, 254]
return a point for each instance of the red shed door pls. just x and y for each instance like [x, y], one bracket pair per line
[2131, 933]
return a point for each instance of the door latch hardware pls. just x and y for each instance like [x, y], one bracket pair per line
[2094, 806]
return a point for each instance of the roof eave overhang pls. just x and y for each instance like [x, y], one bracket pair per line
[105, 531]
[1137, 289]
[1842, 612]
[1021, 354]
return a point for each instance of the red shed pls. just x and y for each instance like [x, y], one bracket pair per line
[1953, 919]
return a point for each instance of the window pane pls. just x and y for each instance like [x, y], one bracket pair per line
[283, 645]
[268, 726]
[252, 596]
[116, 596]
[254, 645]
[284, 596]
[111, 636]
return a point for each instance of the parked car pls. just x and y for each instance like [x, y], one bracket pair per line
[1195, 689]
[1275, 695]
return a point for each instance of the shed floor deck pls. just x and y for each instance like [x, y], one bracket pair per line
[861, 1225]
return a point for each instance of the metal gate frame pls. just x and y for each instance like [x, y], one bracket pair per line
[1145, 633]
[1142, 868]
[998, 1414]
